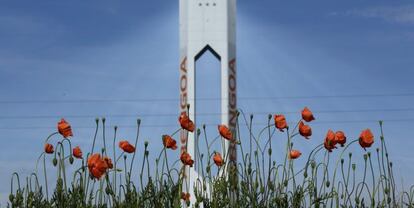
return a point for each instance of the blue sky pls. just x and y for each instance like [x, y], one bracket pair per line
[290, 53]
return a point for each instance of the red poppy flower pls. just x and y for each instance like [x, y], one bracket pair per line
[330, 141]
[126, 146]
[108, 162]
[366, 139]
[49, 148]
[280, 122]
[293, 154]
[186, 159]
[64, 128]
[340, 138]
[305, 130]
[225, 132]
[77, 152]
[185, 196]
[97, 166]
[307, 115]
[218, 159]
[169, 142]
[185, 122]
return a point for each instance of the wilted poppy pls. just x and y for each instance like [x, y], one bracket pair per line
[330, 141]
[64, 128]
[185, 122]
[97, 166]
[185, 196]
[225, 132]
[366, 139]
[186, 159]
[305, 130]
[307, 115]
[108, 162]
[340, 138]
[49, 148]
[169, 142]
[77, 152]
[280, 122]
[293, 154]
[126, 146]
[218, 159]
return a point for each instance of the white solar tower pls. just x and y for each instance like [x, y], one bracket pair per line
[207, 25]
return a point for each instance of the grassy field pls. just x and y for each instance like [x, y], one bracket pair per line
[103, 178]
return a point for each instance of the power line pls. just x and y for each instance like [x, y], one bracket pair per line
[205, 99]
[177, 125]
[202, 114]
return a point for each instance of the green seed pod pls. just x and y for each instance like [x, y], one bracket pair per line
[138, 121]
[198, 132]
[103, 120]
[328, 184]
[369, 154]
[71, 160]
[146, 144]
[208, 169]
[365, 157]
[342, 160]
[350, 154]
[54, 162]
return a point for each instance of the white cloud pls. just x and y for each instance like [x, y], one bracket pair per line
[399, 14]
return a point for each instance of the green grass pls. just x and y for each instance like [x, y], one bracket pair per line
[256, 180]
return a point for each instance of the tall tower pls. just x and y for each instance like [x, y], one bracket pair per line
[207, 25]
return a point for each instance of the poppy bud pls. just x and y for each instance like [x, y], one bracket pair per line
[54, 162]
[103, 120]
[71, 160]
[350, 154]
[11, 198]
[146, 144]
[251, 116]
[342, 160]
[365, 156]
[115, 128]
[305, 174]
[269, 151]
[353, 166]
[108, 190]
[369, 154]
[139, 122]
[96, 121]
[269, 116]
[328, 184]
